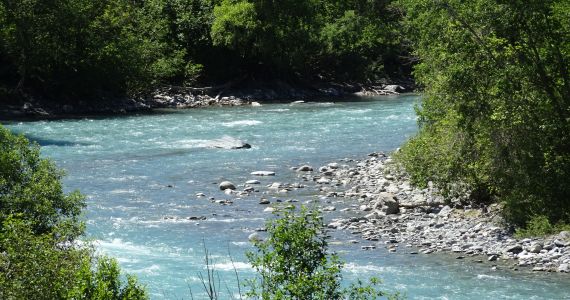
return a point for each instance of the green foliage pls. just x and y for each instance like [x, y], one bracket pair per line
[496, 110]
[294, 262]
[30, 187]
[35, 266]
[71, 49]
[540, 226]
[40, 257]
[334, 39]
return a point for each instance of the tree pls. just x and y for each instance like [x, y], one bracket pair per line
[496, 109]
[40, 256]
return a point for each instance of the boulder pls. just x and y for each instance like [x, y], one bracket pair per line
[564, 235]
[514, 249]
[394, 88]
[333, 166]
[564, 268]
[391, 207]
[276, 186]
[227, 185]
[255, 104]
[305, 168]
[534, 248]
[263, 173]
[254, 237]
[228, 142]
[253, 182]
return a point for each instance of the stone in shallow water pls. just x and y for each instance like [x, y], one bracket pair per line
[305, 168]
[253, 182]
[254, 237]
[225, 185]
[263, 173]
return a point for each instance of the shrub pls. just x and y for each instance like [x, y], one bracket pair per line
[294, 262]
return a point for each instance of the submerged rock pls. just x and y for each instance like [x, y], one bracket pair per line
[228, 142]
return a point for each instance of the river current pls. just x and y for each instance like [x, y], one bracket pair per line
[141, 174]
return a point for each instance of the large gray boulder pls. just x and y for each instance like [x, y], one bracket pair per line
[226, 185]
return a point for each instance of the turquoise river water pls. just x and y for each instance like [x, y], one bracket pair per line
[141, 174]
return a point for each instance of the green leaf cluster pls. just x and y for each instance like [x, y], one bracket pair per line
[496, 110]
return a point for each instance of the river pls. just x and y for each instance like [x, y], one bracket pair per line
[141, 174]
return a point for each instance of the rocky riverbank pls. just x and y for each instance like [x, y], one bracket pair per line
[187, 97]
[392, 213]
[374, 199]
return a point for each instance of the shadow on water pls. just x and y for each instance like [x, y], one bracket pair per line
[51, 142]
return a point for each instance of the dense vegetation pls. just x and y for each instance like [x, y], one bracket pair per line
[40, 257]
[495, 115]
[71, 49]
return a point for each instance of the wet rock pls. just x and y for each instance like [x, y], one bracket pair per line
[255, 237]
[227, 185]
[253, 182]
[275, 186]
[264, 201]
[329, 208]
[228, 142]
[305, 168]
[263, 173]
[333, 166]
[200, 195]
[255, 104]
[269, 210]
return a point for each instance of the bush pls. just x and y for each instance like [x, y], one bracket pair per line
[294, 262]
